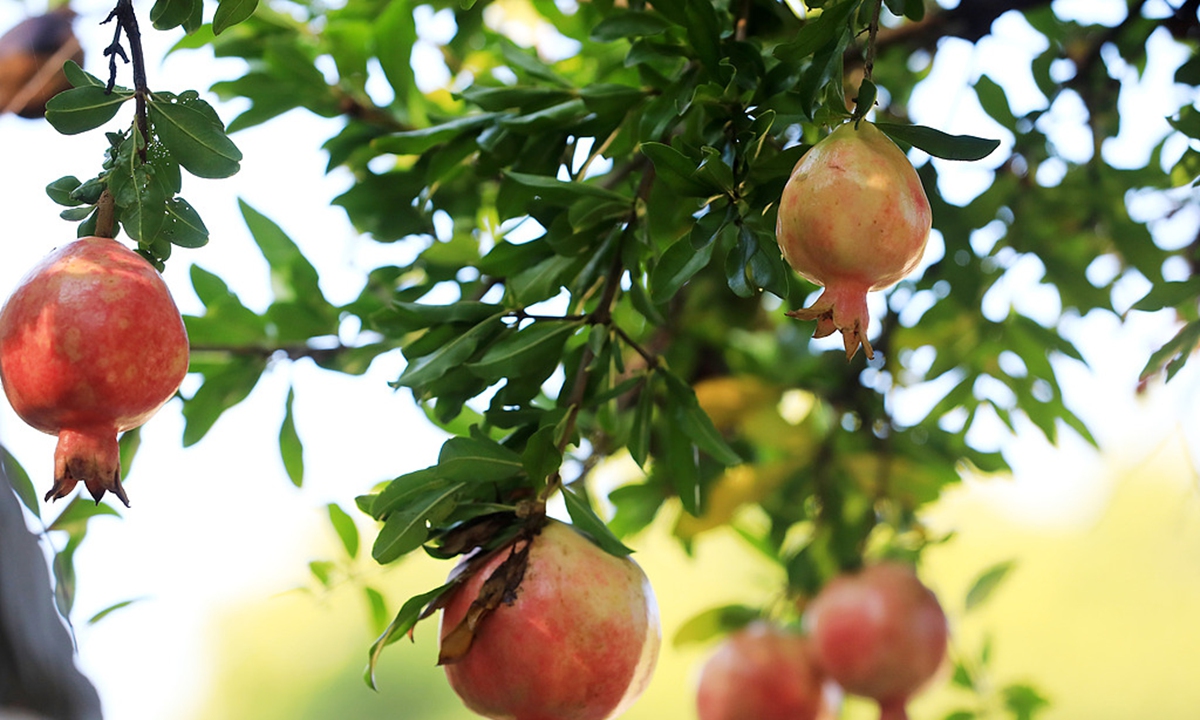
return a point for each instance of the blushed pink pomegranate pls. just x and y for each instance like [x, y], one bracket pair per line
[879, 633]
[763, 672]
[578, 641]
[91, 344]
[853, 218]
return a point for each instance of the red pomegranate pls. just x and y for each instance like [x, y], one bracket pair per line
[578, 641]
[91, 344]
[763, 672]
[879, 633]
[853, 218]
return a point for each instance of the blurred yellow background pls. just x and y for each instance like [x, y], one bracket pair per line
[1100, 613]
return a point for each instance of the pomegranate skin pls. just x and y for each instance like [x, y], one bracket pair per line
[878, 633]
[91, 344]
[579, 642]
[763, 672]
[853, 218]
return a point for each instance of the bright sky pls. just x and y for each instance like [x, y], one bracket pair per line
[220, 521]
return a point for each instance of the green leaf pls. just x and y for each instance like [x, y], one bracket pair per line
[112, 609]
[415, 142]
[291, 449]
[562, 192]
[628, 23]
[637, 505]
[994, 101]
[404, 621]
[84, 108]
[293, 277]
[75, 516]
[940, 144]
[1168, 295]
[378, 609]
[454, 353]
[676, 267]
[60, 191]
[827, 29]
[223, 388]
[167, 14]
[395, 35]
[1187, 122]
[640, 432]
[405, 317]
[183, 226]
[20, 482]
[523, 352]
[713, 623]
[1023, 701]
[1175, 353]
[232, 12]
[694, 422]
[677, 170]
[586, 519]
[556, 117]
[407, 528]
[986, 584]
[476, 459]
[128, 445]
[190, 129]
[402, 490]
[345, 528]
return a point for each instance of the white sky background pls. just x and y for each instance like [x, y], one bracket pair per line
[220, 521]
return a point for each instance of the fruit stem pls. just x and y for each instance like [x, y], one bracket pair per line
[872, 32]
[105, 222]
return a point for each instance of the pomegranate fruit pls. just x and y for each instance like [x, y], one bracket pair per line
[577, 640]
[91, 344]
[763, 672]
[853, 218]
[879, 633]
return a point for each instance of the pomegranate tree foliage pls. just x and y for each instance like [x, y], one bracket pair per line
[611, 284]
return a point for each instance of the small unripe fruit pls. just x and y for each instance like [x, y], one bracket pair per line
[578, 641]
[91, 344]
[853, 218]
[879, 633]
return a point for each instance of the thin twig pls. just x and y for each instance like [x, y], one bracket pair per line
[127, 21]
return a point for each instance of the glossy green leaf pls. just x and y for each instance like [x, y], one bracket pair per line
[407, 528]
[535, 346]
[61, 190]
[628, 23]
[677, 170]
[940, 144]
[183, 226]
[586, 519]
[404, 621]
[167, 14]
[685, 409]
[85, 108]
[415, 142]
[190, 129]
[427, 368]
[475, 459]
[232, 12]
[676, 267]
